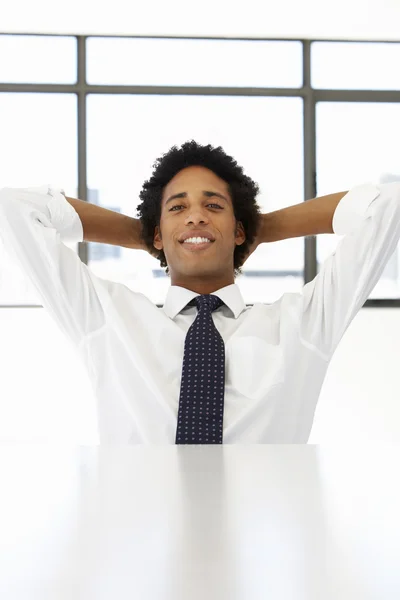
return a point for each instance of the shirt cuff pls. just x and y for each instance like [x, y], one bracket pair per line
[352, 208]
[63, 215]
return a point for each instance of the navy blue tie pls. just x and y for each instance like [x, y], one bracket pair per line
[201, 401]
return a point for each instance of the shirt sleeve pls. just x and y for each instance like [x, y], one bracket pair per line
[368, 217]
[34, 224]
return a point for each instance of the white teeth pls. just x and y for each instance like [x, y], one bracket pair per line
[197, 240]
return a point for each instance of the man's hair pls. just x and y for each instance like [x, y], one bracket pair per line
[242, 189]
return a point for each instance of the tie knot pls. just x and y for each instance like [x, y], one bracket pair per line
[206, 301]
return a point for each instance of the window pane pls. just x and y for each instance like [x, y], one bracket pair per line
[38, 59]
[194, 62]
[355, 66]
[358, 143]
[264, 135]
[38, 146]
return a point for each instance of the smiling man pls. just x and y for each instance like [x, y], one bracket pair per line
[196, 204]
[194, 191]
[205, 368]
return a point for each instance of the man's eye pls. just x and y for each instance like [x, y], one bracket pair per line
[178, 205]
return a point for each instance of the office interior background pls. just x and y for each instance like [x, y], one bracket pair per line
[305, 96]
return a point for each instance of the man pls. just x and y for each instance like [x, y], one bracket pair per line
[204, 368]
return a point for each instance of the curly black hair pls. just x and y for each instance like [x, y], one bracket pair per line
[242, 189]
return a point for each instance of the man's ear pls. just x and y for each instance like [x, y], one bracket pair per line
[240, 236]
[157, 241]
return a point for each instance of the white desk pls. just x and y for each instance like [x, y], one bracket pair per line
[199, 523]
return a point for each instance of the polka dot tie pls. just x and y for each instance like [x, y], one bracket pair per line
[201, 401]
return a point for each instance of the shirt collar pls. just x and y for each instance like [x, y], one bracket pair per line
[178, 297]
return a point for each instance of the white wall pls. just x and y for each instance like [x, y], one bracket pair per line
[360, 399]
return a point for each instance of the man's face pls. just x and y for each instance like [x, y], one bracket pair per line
[204, 206]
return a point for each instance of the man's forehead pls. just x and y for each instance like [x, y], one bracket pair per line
[195, 183]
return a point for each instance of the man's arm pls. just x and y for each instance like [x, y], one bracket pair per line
[107, 226]
[36, 223]
[368, 222]
[311, 217]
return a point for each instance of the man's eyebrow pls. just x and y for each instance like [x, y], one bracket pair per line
[184, 195]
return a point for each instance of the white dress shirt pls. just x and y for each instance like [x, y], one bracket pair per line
[277, 354]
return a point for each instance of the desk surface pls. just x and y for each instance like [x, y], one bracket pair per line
[226, 522]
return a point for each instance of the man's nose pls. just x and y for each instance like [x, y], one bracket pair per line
[196, 217]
